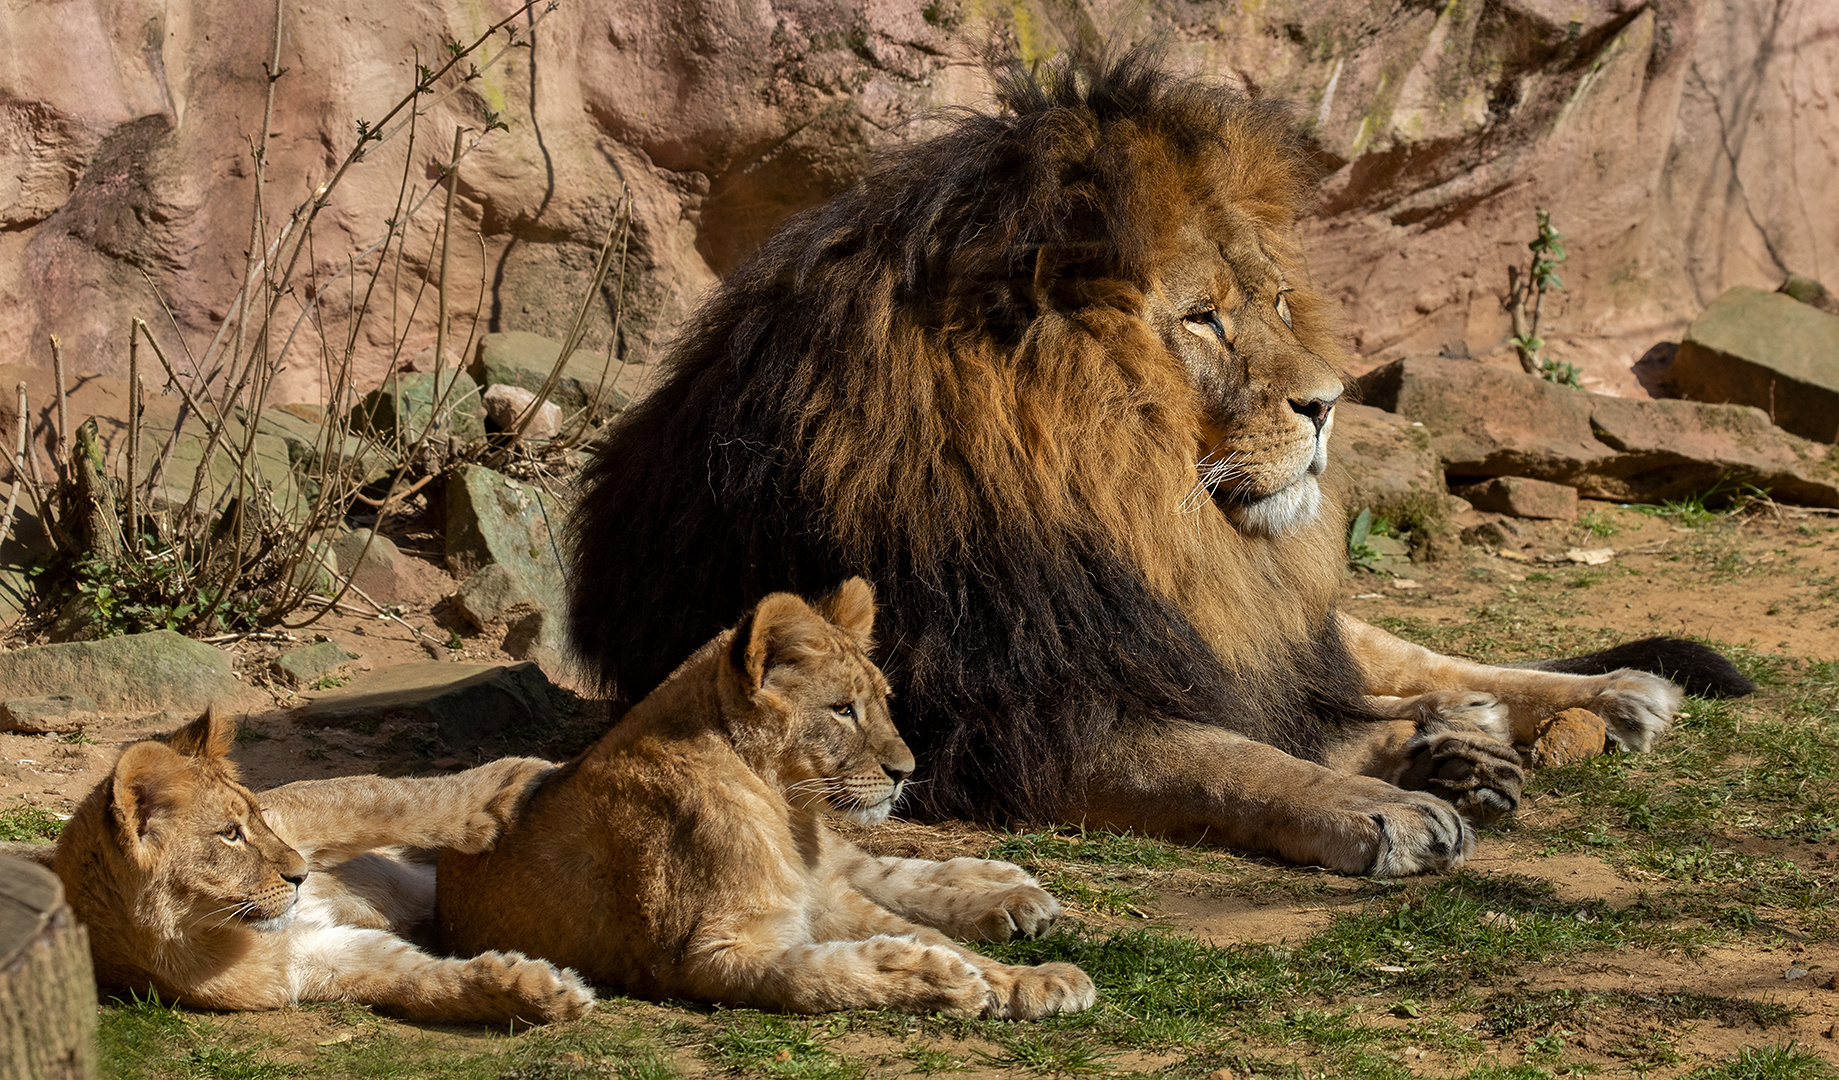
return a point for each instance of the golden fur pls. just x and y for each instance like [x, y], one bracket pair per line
[685, 854]
[1057, 382]
[217, 897]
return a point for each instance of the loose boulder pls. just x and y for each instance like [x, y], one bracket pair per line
[1519, 497]
[1490, 421]
[1768, 350]
[158, 670]
[468, 704]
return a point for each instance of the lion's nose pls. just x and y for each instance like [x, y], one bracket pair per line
[1316, 409]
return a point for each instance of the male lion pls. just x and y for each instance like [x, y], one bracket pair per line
[210, 894]
[685, 853]
[1056, 382]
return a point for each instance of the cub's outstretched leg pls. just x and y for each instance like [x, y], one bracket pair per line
[342, 963]
[331, 821]
[968, 899]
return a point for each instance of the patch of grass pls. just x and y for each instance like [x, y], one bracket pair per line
[1050, 1053]
[1097, 848]
[138, 1035]
[782, 1047]
[23, 821]
[1767, 1063]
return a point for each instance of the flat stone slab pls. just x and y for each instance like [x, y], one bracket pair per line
[1765, 349]
[37, 715]
[1489, 421]
[157, 670]
[307, 665]
[468, 704]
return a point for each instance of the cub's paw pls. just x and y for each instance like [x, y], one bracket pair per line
[1636, 707]
[534, 991]
[1029, 993]
[1018, 911]
[968, 873]
[1359, 825]
[923, 978]
[1478, 774]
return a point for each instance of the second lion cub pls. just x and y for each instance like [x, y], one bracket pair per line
[684, 855]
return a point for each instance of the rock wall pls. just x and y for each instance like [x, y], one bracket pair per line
[1682, 146]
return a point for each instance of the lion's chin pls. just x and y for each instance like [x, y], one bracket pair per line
[1280, 513]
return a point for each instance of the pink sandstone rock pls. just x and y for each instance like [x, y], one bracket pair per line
[1683, 146]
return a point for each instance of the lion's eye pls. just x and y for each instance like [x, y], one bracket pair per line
[1283, 310]
[232, 834]
[847, 710]
[1206, 324]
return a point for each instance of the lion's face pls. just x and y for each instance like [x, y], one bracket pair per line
[1223, 306]
[199, 836]
[813, 686]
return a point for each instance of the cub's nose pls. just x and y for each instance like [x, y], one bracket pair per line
[895, 773]
[295, 877]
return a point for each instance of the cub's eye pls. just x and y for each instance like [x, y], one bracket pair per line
[847, 710]
[232, 834]
[1206, 324]
[1283, 309]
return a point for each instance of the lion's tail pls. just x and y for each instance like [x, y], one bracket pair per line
[1698, 669]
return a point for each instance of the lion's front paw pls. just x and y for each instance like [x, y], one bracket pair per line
[1636, 707]
[1029, 993]
[1359, 825]
[1019, 911]
[1475, 772]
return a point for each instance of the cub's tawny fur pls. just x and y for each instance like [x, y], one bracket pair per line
[215, 896]
[1056, 381]
[685, 854]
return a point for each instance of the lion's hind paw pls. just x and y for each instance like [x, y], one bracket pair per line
[1636, 707]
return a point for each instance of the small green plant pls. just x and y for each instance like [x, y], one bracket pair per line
[1361, 554]
[1597, 524]
[1541, 275]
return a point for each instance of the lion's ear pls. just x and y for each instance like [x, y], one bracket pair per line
[852, 607]
[779, 629]
[148, 787]
[209, 736]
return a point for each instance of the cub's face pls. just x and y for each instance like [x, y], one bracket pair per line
[228, 863]
[1230, 313]
[845, 751]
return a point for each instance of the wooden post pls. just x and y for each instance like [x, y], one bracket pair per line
[47, 987]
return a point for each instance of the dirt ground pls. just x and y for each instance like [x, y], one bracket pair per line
[1766, 581]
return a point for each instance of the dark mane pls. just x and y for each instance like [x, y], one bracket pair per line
[929, 381]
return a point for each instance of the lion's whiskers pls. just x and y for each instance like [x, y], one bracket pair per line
[1211, 472]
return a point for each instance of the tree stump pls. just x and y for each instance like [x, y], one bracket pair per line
[47, 987]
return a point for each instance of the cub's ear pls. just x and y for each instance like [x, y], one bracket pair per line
[852, 607]
[209, 736]
[149, 785]
[782, 628]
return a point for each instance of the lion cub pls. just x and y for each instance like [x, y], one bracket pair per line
[685, 854]
[194, 885]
